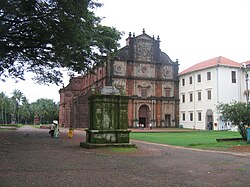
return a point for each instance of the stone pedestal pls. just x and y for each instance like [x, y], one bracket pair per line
[108, 122]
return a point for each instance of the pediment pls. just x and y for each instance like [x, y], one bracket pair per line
[144, 37]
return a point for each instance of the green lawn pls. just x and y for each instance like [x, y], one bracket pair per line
[195, 139]
[10, 126]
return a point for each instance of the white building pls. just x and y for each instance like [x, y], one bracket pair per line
[203, 86]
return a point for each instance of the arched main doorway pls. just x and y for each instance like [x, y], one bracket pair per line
[144, 115]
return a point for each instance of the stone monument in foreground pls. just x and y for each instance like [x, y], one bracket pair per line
[108, 120]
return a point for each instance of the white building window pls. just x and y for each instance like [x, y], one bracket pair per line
[199, 116]
[183, 98]
[191, 116]
[183, 82]
[199, 78]
[190, 80]
[209, 94]
[233, 74]
[183, 117]
[199, 96]
[209, 76]
[191, 97]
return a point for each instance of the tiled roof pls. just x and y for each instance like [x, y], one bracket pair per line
[211, 63]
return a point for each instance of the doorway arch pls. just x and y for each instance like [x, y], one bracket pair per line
[209, 116]
[144, 115]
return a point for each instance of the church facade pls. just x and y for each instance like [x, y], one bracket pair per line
[141, 71]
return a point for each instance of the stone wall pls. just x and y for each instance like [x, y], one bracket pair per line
[79, 111]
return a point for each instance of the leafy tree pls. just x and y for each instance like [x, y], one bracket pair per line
[42, 36]
[239, 114]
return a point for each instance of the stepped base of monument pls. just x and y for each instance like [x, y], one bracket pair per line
[97, 145]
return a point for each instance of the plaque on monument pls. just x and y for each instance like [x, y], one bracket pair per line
[110, 90]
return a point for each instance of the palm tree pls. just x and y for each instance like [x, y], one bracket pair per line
[46, 109]
[2, 95]
[4, 107]
[25, 111]
[17, 96]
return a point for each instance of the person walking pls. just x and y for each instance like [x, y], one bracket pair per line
[52, 129]
[71, 132]
[56, 129]
[150, 126]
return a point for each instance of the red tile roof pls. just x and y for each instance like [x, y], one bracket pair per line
[218, 61]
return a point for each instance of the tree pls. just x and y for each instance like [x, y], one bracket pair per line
[17, 98]
[25, 112]
[42, 36]
[18, 109]
[239, 114]
[46, 109]
[3, 107]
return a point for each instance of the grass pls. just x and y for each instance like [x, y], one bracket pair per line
[194, 139]
[7, 126]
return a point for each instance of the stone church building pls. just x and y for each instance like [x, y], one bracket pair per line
[139, 70]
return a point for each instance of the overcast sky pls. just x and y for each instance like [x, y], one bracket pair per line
[191, 31]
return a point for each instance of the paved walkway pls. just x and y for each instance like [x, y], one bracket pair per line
[29, 157]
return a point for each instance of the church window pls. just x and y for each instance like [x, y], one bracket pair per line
[168, 92]
[143, 92]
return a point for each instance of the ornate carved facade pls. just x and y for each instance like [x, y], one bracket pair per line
[141, 71]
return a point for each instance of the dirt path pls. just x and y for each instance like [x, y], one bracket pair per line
[29, 157]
